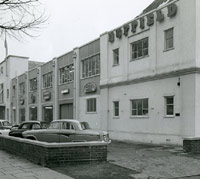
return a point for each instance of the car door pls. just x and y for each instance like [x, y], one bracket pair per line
[67, 132]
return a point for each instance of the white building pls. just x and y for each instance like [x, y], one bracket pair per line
[150, 81]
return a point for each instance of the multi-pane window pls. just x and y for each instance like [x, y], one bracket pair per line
[66, 74]
[169, 105]
[139, 107]
[33, 84]
[91, 105]
[47, 80]
[1, 93]
[91, 66]
[22, 88]
[140, 49]
[116, 108]
[116, 57]
[169, 39]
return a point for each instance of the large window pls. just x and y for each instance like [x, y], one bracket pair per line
[91, 66]
[66, 74]
[139, 107]
[169, 105]
[33, 84]
[169, 39]
[47, 80]
[116, 108]
[140, 49]
[91, 105]
[116, 57]
[22, 88]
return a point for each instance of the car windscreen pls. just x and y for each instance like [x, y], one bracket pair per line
[6, 123]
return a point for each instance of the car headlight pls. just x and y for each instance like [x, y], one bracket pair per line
[105, 138]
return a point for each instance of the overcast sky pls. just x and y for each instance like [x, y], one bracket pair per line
[73, 23]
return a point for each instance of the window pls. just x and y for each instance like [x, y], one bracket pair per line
[1, 93]
[140, 49]
[116, 108]
[14, 91]
[33, 84]
[139, 107]
[169, 39]
[67, 74]
[91, 66]
[91, 105]
[22, 88]
[47, 80]
[116, 57]
[169, 105]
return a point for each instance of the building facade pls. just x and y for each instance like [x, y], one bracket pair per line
[139, 81]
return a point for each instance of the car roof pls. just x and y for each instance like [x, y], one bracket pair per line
[1, 120]
[65, 120]
[30, 122]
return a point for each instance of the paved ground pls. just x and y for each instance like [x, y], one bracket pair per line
[13, 167]
[137, 161]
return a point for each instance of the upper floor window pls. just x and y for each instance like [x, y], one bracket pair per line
[22, 88]
[169, 39]
[47, 80]
[14, 90]
[91, 105]
[116, 108]
[91, 66]
[33, 84]
[139, 107]
[169, 105]
[116, 57]
[66, 74]
[139, 49]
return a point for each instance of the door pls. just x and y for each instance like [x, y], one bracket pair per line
[66, 111]
[48, 113]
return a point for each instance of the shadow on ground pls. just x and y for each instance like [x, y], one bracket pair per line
[103, 170]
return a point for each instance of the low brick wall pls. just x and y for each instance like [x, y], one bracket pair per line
[54, 154]
[192, 145]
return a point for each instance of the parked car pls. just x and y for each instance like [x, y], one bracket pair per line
[5, 127]
[27, 125]
[66, 130]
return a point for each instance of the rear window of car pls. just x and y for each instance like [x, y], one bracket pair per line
[6, 123]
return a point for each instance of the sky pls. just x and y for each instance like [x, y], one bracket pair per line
[73, 23]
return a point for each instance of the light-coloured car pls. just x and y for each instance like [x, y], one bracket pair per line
[66, 130]
[5, 127]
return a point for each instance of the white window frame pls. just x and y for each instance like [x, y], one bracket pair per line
[137, 109]
[170, 104]
[168, 39]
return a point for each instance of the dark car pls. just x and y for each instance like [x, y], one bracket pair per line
[27, 125]
[66, 130]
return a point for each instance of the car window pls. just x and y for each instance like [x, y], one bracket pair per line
[25, 126]
[35, 126]
[68, 126]
[54, 125]
[6, 123]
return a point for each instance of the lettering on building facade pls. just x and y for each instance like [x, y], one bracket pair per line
[47, 96]
[172, 11]
[65, 91]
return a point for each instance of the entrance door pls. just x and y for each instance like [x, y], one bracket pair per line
[66, 111]
[48, 113]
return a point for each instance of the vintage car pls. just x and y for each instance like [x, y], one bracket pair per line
[66, 130]
[5, 127]
[27, 125]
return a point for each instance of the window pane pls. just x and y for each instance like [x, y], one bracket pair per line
[170, 110]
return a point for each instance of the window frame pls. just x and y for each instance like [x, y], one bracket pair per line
[91, 105]
[47, 80]
[166, 48]
[33, 84]
[116, 113]
[116, 57]
[166, 105]
[136, 44]
[137, 109]
[66, 74]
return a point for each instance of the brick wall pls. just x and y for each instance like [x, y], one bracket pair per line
[191, 145]
[54, 154]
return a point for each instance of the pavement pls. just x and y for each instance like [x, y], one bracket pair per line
[150, 162]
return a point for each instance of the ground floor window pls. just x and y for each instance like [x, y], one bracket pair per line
[169, 105]
[22, 115]
[116, 108]
[139, 107]
[91, 105]
[48, 113]
[33, 113]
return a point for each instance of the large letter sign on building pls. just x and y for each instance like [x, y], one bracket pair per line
[172, 10]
